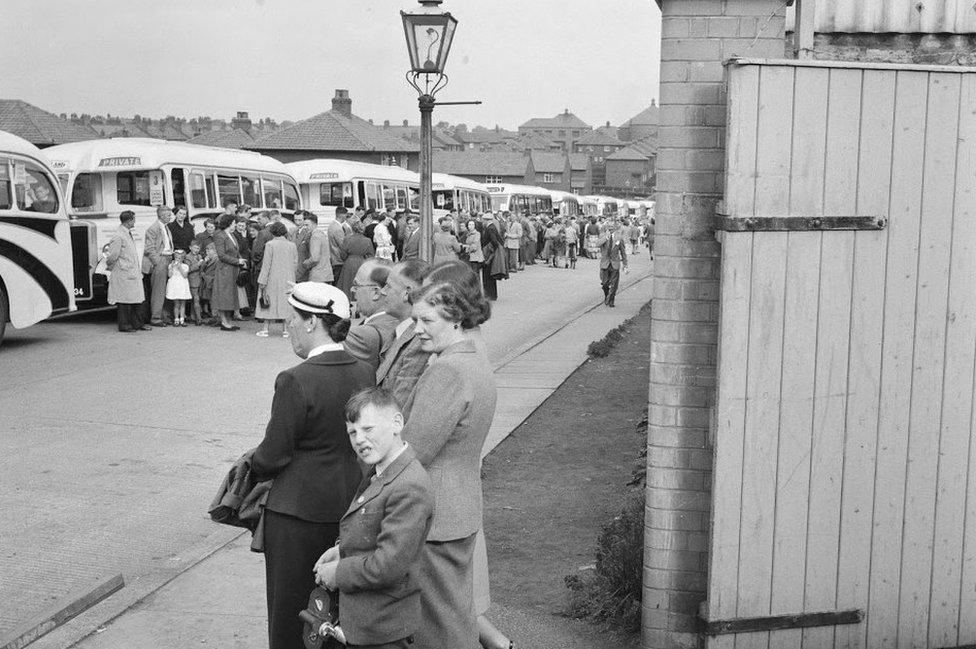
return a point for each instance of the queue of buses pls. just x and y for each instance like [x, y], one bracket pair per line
[59, 208]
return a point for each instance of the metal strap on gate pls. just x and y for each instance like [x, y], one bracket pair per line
[798, 223]
[779, 622]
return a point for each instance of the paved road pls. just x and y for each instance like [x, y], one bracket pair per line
[113, 444]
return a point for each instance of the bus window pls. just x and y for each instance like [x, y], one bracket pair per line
[272, 193]
[444, 199]
[132, 188]
[335, 194]
[86, 194]
[401, 198]
[179, 187]
[414, 199]
[389, 199]
[498, 202]
[291, 197]
[198, 192]
[372, 196]
[251, 192]
[6, 198]
[229, 188]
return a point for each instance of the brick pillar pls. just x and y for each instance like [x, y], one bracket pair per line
[696, 36]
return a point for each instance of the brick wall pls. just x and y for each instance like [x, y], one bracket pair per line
[696, 36]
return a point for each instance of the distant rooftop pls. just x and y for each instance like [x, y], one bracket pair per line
[40, 127]
[480, 163]
[563, 120]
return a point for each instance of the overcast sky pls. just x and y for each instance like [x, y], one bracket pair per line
[284, 58]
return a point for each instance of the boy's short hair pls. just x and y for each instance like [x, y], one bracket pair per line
[195, 243]
[374, 396]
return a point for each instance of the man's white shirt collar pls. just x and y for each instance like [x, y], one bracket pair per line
[403, 326]
[328, 347]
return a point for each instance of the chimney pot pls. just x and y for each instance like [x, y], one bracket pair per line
[370, 120]
[342, 103]
[241, 121]
[406, 122]
[386, 123]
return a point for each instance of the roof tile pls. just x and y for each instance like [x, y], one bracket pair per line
[333, 131]
[40, 127]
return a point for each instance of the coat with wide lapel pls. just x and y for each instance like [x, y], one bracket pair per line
[381, 538]
[125, 279]
[402, 366]
[305, 447]
[612, 255]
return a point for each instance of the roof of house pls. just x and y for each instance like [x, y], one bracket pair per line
[235, 138]
[647, 146]
[546, 162]
[533, 142]
[440, 136]
[647, 117]
[611, 131]
[597, 138]
[628, 153]
[333, 131]
[119, 129]
[484, 136]
[481, 163]
[579, 162]
[563, 120]
[40, 127]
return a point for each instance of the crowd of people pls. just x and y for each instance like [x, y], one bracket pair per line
[241, 264]
[373, 447]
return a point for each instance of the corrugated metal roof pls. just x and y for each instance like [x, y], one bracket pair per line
[898, 16]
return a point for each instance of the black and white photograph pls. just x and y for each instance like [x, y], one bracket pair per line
[443, 324]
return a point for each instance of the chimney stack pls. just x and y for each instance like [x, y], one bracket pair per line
[242, 121]
[653, 102]
[386, 123]
[406, 122]
[341, 103]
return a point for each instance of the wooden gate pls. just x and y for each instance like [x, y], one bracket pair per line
[844, 475]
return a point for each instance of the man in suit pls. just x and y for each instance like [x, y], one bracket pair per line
[337, 234]
[306, 452]
[375, 333]
[157, 253]
[404, 361]
[613, 255]
[374, 565]
[318, 264]
[302, 236]
[411, 242]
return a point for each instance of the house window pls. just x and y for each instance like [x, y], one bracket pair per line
[493, 180]
[562, 132]
[548, 178]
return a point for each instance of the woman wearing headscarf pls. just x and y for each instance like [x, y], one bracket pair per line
[276, 278]
[306, 451]
[356, 248]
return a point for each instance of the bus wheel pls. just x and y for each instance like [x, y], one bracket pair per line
[4, 312]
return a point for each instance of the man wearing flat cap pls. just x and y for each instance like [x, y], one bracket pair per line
[306, 451]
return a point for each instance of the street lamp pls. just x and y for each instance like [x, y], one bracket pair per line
[429, 33]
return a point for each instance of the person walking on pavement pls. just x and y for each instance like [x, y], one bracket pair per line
[157, 253]
[125, 281]
[306, 451]
[613, 255]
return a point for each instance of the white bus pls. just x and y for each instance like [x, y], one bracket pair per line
[605, 205]
[456, 193]
[102, 178]
[37, 264]
[326, 184]
[565, 204]
[588, 205]
[521, 199]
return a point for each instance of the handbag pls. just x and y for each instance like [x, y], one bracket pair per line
[243, 278]
[264, 301]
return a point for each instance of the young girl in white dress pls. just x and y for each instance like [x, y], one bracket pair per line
[178, 287]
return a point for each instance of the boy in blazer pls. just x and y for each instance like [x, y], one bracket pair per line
[382, 535]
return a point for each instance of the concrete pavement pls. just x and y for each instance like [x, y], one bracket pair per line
[115, 446]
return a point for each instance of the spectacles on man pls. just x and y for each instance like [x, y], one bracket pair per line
[355, 287]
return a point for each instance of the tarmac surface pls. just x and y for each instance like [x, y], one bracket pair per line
[114, 444]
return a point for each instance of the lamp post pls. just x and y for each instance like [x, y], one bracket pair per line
[429, 35]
